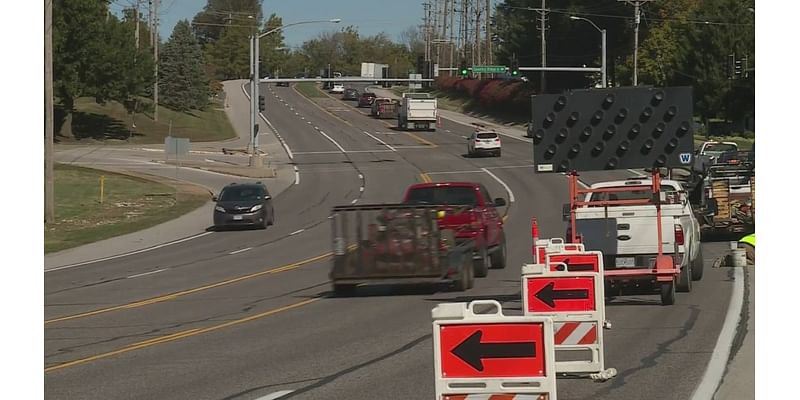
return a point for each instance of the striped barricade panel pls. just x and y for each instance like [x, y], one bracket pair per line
[575, 301]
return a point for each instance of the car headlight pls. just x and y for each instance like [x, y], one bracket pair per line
[256, 207]
[220, 209]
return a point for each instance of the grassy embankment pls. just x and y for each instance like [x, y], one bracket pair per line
[112, 123]
[130, 204]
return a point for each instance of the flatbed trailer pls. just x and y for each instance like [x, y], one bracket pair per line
[396, 244]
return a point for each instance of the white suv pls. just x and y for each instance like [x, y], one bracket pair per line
[484, 142]
[337, 88]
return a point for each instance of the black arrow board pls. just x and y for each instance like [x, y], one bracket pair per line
[472, 351]
[548, 295]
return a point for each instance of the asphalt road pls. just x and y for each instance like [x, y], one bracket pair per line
[217, 321]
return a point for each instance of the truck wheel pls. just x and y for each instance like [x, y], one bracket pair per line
[668, 293]
[685, 278]
[482, 264]
[344, 290]
[499, 255]
[697, 266]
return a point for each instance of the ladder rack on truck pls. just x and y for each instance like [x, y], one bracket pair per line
[665, 270]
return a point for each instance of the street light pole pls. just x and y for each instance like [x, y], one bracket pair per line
[254, 64]
[603, 39]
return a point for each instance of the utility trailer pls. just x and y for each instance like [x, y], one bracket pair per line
[396, 244]
[664, 269]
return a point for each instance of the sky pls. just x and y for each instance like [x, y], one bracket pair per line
[370, 17]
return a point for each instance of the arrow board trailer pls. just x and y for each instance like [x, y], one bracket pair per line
[487, 354]
[575, 302]
[396, 244]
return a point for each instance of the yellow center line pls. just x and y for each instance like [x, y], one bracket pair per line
[171, 296]
[425, 178]
[422, 140]
[178, 335]
[323, 108]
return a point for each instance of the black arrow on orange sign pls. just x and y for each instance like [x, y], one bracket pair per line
[548, 294]
[472, 351]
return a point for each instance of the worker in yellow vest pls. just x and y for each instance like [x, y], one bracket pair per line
[749, 244]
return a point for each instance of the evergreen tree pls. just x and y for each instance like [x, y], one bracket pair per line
[230, 55]
[183, 84]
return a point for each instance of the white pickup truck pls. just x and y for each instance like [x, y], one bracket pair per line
[627, 234]
[417, 111]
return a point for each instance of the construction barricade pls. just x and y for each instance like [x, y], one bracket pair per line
[486, 354]
[575, 301]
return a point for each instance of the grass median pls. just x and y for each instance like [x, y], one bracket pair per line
[309, 89]
[129, 204]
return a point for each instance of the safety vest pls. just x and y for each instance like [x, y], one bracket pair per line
[749, 239]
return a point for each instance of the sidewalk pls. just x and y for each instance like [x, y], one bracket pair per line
[277, 174]
[738, 383]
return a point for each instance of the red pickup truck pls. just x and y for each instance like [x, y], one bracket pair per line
[469, 210]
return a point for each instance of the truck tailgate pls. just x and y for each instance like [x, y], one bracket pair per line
[632, 231]
[420, 109]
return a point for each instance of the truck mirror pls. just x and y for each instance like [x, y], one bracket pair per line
[565, 212]
[499, 202]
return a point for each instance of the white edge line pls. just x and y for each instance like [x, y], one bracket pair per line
[129, 253]
[354, 201]
[296, 232]
[276, 395]
[240, 250]
[719, 360]
[455, 172]
[146, 273]
[278, 135]
[496, 130]
[296, 175]
[380, 141]
[333, 141]
[508, 189]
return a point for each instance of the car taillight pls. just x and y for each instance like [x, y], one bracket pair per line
[679, 239]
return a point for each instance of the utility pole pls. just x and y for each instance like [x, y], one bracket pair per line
[452, 10]
[150, 20]
[136, 20]
[155, 57]
[488, 32]
[427, 32]
[477, 46]
[636, 18]
[49, 198]
[543, 28]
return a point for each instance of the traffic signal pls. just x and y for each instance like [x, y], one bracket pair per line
[737, 69]
[261, 103]
[514, 67]
[463, 71]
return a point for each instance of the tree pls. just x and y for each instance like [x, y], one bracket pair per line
[230, 55]
[704, 53]
[94, 55]
[272, 47]
[209, 24]
[183, 84]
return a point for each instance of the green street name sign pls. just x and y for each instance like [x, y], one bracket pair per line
[489, 69]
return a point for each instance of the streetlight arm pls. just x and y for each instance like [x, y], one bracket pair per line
[572, 17]
[334, 20]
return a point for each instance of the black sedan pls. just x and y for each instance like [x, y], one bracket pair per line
[244, 204]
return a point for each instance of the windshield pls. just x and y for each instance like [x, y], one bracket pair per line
[444, 195]
[719, 148]
[671, 195]
[242, 193]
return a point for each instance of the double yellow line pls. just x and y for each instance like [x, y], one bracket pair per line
[178, 335]
[175, 295]
[425, 178]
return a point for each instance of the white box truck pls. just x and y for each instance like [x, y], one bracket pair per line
[372, 70]
[417, 111]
